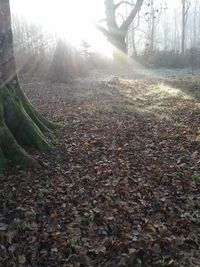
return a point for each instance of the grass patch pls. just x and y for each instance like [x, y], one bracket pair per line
[72, 241]
[121, 109]
[197, 138]
[163, 92]
[97, 130]
[196, 178]
[8, 195]
[189, 85]
[42, 193]
[165, 118]
[85, 219]
[19, 224]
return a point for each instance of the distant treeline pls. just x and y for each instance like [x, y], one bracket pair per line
[170, 59]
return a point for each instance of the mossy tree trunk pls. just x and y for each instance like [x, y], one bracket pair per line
[20, 124]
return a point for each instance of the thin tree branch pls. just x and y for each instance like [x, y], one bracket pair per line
[140, 30]
[123, 2]
[101, 20]
[124, 27]
[187, 9]
[102, 29]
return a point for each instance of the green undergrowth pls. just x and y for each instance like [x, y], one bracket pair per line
[188, 84]
[123, 108]
[161, 100]
[196, 178]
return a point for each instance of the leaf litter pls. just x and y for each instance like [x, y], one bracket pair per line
[121, 186]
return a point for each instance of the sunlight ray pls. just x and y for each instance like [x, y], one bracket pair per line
[68, 20]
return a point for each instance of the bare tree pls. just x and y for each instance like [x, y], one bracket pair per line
[195, 23]
[185, 9]
[115, 33]
[153, 18]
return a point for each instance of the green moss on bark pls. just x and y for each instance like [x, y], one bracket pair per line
[22, 126]
[11, 151]
[2, 161]
[44, 124]
[18, 129]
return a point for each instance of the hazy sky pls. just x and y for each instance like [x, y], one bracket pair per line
[42, 9]
[51, 13]
[72, 19]
[60, 13]
[67, 18]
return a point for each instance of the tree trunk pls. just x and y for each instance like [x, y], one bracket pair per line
[194, 25]
[152, 12]
[20, 124]
[176, 46]
[185, 9]
[118, 40]
[133, 43]
[183, 27]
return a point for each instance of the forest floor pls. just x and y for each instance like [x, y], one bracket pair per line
[120, 187]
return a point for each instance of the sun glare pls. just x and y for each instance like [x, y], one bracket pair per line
[68, 19]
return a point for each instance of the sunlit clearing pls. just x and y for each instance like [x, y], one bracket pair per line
[69, 20]
[164, 91]
[155, 93]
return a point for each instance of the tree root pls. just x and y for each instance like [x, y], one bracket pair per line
[20, 125]
[44, 124]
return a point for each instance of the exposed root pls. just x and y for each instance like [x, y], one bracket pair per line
[20, 125]
[44, 124]
[11, 151]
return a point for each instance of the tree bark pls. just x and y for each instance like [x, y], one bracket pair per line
[20, 124]
[183, 28]
[195, 24]
[133, 43]
[185, 9]
[152, 12]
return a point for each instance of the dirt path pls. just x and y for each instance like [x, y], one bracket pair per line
[121, 187]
